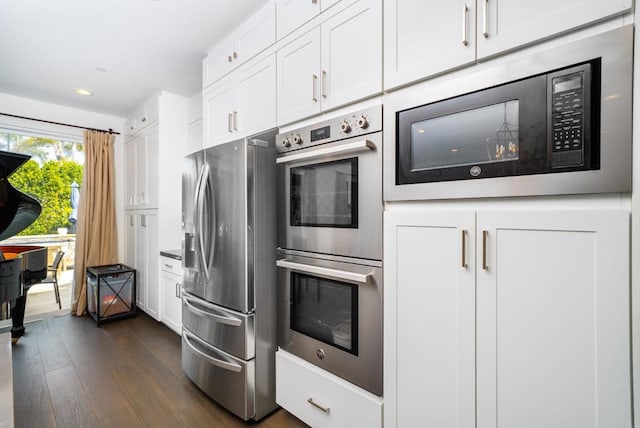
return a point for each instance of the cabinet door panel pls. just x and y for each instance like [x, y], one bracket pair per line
[293, 13]
[352, 54]
[130, 240]
[141, 171]
[142, 256]
[508, 24]
[171, 303]
[553, 319]
[152, 152]
[131, 172]
[298, 78]
[219, 105]
[257, 97]
[152, 304]
[429, 319]
[256, 34]
[427, 37]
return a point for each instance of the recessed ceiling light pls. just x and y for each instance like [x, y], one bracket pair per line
[101, 69]
[84, 92]
[421, 131]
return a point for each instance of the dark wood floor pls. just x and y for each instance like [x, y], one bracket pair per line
[69, 373]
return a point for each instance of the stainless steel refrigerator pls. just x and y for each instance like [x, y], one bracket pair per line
[228, 249]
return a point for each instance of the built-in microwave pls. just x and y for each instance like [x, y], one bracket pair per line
[557, 122]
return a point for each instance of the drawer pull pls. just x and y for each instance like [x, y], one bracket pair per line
[168, 265]
[317, 406]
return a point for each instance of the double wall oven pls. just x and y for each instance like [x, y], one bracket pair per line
[330, 245]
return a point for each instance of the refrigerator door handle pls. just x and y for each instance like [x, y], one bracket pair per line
[212, 206]
[234, 322]
[204, 177]
[216, 362]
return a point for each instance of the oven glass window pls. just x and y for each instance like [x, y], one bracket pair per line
[489, 134]
[326, 310]
[325, 194]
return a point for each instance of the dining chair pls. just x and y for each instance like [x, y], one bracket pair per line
[52, 276]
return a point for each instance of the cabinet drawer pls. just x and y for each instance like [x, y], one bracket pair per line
[321, 399]
[170, 265]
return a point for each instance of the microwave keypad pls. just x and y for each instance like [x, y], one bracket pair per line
[567, 120]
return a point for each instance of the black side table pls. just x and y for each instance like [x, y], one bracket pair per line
[111, 292]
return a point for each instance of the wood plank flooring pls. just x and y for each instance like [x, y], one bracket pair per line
[69, 373]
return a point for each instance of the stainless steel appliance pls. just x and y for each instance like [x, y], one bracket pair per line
[330, 245]
[556, 122]
[331, 177]
[229, 324]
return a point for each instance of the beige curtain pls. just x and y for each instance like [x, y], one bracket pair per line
[96, 237]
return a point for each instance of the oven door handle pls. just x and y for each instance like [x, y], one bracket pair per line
[216, 362]
[361, 278]
[354, 147]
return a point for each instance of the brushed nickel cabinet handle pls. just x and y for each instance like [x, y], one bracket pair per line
[314, 80]
[229, 120]
[465, 12]
[323, 84]
[464, 249]
[229, 58]
[235, 54]
[485, 20]
[317, 406]
[485, 234]
[235, 120]
[314, 1]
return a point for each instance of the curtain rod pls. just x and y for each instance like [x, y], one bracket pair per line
[110, 131]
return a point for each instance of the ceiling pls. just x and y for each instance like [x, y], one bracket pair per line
[121, 50]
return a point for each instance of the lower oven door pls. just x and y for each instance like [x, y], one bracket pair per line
[224, 378]
[331, 315]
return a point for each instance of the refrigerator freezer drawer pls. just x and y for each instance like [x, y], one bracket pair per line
[224, 378]
[230, 331]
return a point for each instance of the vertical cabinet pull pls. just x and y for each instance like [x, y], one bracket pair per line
[143, 220]
[323, 84]
[177, 289]
[229, 58]
[485, 20]
[229, 120]
[314, 80]
[235, 120]
[131, 220]
[464, 249]
[235, 54]
[485, 234]
[465, 12]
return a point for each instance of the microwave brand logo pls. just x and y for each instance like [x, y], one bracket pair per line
[475, 171]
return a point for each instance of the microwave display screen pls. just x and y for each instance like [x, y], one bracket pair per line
[575, 82]
[481, 135]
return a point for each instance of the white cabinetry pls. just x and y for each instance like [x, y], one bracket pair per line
[508, 24]
[543, 295]
[171, 289]
[146, 262]
[423, 38]
[150, 156]
[334, 64]
[321, 399]
[252, 37]
[241, 105]
[194, 120]
[291, 14]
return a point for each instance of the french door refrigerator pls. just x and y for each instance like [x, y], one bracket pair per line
[228, 249]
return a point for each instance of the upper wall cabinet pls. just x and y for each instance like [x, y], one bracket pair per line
[293, 13]
[242, 105]
[334, 64]
[509, 24]
[252, 37]
[424, 38]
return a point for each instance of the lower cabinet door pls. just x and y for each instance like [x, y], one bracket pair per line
[171, 312]
[321, 399]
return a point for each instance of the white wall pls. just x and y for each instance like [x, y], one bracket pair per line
[56, 113]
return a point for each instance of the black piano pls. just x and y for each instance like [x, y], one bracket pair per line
[20, 265]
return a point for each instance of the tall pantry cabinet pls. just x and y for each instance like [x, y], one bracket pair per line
[155, 136]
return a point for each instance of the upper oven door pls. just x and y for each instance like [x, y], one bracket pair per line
[331, 198]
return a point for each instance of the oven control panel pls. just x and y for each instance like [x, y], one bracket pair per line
[351, 125]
